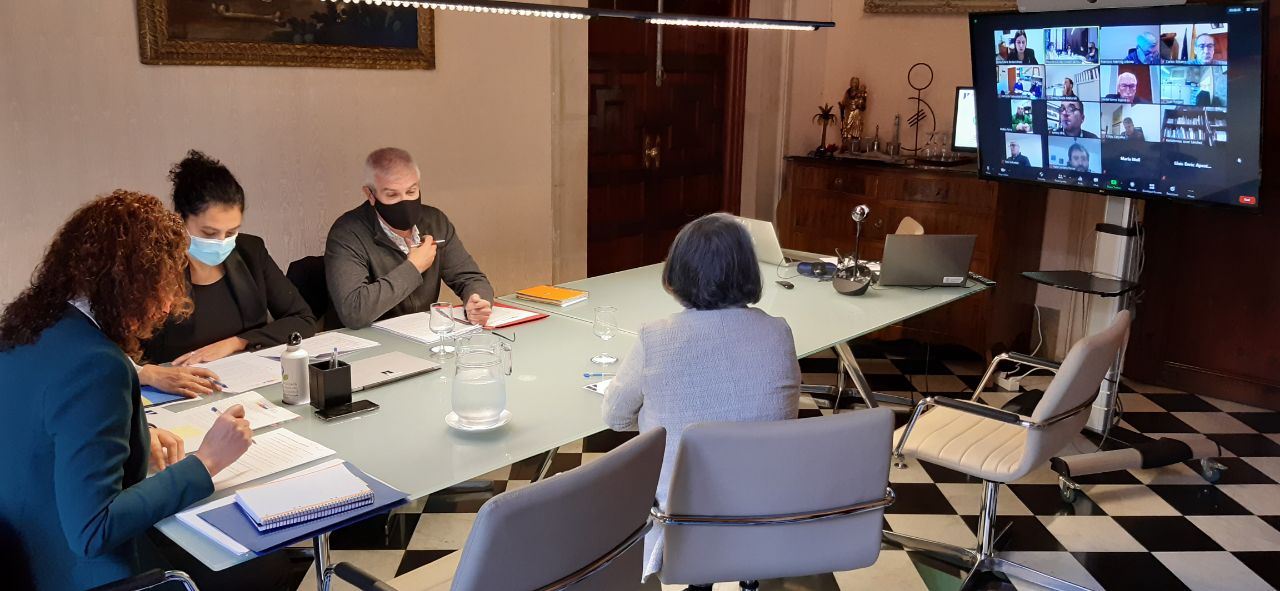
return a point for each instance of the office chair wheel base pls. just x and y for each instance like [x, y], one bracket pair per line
[1068, 491]
[1211, 470]
[749, 585]
[900, 462]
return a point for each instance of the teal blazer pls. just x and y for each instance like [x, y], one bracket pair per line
[76, 501]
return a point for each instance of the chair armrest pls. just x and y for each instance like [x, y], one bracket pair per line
[1019, 358]
[982, 410]
[359, 578]
[148, 580]
[1032, 361]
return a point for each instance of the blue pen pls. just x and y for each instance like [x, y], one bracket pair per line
[596, 375]
[217, 383]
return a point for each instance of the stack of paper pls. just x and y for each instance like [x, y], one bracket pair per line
[417, 327]
[550, 294]
[192, 424]
[270, 453]
[323, 345]
[244, 372]
[303, 497]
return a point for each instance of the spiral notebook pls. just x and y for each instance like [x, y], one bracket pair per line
[304, 498]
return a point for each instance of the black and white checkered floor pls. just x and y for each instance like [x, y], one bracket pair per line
[1163, 529]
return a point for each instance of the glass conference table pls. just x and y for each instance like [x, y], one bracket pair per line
[820, 318]
[407, 444]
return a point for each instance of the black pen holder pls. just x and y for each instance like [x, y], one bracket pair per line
[330, 386]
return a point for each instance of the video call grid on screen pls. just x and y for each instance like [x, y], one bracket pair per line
[1137, 98]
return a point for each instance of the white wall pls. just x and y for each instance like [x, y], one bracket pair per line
[81, 116]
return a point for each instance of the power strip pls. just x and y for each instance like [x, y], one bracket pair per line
[1006, 382]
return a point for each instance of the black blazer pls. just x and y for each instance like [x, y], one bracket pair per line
[269, 305]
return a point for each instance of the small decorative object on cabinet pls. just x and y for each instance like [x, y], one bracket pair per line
[824, 118]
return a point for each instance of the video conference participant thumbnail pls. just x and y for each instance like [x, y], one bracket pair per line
[1022, 116]
[1019, 46]
[1120, 121]
[1078, 82]
[1130, 160]
[1193, 125]
[1076, 154]
[1130, 84]
[1023, 149]
[1071, 45]
[1073, 118]
[1138, 44]
[1020, 81]
[1204, 44]
[1202, 86]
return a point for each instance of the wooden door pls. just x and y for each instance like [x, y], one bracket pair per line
[690, 126]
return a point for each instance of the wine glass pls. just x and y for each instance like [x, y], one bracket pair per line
[606, 325]
[441, 323]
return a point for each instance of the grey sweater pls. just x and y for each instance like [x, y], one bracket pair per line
[697, 366]
[370, 278]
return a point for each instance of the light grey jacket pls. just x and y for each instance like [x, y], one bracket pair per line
[695, 366]
[370, 278]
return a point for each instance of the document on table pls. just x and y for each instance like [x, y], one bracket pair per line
[192, 424]
[501, 316]
[323, 344]
[191, 519]
[417, 326]
[244, 372]
[270, 453]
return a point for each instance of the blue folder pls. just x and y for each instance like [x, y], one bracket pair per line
[154, 397]
[233, 522]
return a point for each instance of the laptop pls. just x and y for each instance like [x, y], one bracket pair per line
[764, 240]
[387, 368]
[927, 260]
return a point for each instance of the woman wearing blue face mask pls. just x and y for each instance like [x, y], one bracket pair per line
[242, 300]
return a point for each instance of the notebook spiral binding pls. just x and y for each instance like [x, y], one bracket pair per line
[316, 511]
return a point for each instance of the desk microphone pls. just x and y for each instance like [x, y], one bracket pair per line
[854, 278]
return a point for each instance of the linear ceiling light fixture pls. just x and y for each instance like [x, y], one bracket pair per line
[578, 13]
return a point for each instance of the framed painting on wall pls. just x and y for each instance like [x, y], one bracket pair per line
[937, 6]
[307, 33]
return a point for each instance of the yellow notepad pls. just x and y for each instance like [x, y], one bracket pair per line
[550, 294]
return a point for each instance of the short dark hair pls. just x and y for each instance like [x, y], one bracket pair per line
[711, 265]
[200, 181]
[1076, 148]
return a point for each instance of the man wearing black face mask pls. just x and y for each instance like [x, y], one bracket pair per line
[387, 257]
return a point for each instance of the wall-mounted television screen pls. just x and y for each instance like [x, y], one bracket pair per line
[1155, 103]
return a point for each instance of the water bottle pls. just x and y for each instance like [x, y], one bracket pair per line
[293, 372]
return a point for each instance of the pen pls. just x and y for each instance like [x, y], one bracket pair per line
[597, 375]
[333, 361]
[217, 383]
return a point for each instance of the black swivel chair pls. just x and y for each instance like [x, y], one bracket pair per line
[307, 274]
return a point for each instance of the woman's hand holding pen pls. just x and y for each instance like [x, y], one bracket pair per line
[226, 441]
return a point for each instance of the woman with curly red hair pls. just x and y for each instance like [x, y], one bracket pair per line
[75, 447]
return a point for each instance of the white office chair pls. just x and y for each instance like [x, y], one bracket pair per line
[777, 499]
[909, 226]
[999, 446]
[580, 530]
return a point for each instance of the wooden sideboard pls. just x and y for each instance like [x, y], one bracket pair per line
[814, 216]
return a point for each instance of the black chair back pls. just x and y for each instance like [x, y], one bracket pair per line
[307, 274]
